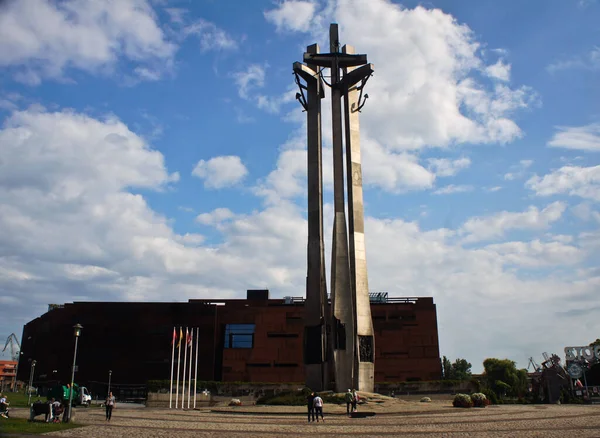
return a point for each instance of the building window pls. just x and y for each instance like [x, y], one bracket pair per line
[239, 335]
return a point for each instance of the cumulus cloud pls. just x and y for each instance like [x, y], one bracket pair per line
[215, 217]
[585, 138]
[497, 224]
[220, 172]
[447, 167]
[451, 188]
[570, 180]
[292, 15]
[517, 171]
[40, 38]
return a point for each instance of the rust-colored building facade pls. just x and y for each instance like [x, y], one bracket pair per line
[8, 371]
[254, 340]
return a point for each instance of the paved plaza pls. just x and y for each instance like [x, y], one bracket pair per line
[410, 419]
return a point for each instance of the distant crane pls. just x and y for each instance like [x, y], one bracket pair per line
[536, 367]
[15, 347]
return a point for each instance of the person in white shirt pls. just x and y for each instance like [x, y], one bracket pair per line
[110, 404]
[318, 403]
[3, 406]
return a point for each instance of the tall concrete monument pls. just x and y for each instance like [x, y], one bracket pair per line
[339, 342]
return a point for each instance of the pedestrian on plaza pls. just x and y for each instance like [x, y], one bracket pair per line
[318, 404]
[355, 398]
[110, 404]
[349, 397]
[310, 404]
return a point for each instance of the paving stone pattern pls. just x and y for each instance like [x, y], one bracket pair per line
[409, 419]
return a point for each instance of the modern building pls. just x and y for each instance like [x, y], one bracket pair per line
[254, 340]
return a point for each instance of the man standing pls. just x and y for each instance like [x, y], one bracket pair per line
[318, 403]
[110, 404]
[355, 399]
[349, 397]
[310, 404]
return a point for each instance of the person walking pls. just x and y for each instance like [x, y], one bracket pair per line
[310, 404]
[349, 397]
[110, 404]
[355, 399]
[318, 404]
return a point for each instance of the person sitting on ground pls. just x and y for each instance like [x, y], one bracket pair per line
[349, 397]
[318, 404]
[3, 406]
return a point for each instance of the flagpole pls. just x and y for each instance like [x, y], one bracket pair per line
[190, 372]
[196, 368]
[178, 365]
[184, 369]
[172, 368]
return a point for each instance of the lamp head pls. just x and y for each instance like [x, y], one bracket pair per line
[77, 328]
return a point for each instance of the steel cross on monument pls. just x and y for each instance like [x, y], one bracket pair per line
[338, 341]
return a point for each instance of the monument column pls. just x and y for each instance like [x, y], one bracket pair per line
[316, 306]
[365, 340]
[341, 291]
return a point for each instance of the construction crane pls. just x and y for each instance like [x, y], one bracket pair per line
[536, 367]
[15, 347]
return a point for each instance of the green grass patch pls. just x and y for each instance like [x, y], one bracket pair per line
[21, 425]
[19, 399]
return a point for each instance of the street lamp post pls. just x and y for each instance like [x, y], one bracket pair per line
[77, 333]
[31, 373]
[109, 374]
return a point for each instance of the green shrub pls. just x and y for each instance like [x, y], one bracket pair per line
[462, 401]
[491, 396]
[479, 400]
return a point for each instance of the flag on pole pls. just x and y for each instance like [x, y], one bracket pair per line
[190, 342]
[172, 367]
[196, 368]
[184, 370]
[189, 338]
[178, 364]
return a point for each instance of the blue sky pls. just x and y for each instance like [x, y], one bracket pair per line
[154, 151]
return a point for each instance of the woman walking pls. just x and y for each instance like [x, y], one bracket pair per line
[110, 404]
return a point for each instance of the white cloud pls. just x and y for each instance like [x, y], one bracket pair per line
[517, 171]
[447, 167]
[41, 39]
[499, 70]
[496, 225]
[451, 188]
[585, 212]
[535, 254]
[215, 217]
[571, 180]
[424, 91]
[494, 189]
[292, 15]
[589, 61]
[220, 172]
[210, 36]
[249, 80]
[585, 138]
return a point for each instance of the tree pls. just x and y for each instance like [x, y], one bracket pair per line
[446, 368]
[459, 370]
[503, 377]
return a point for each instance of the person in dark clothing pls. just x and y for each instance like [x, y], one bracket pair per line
[310, 405]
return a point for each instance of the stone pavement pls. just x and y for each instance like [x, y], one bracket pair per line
[413, 420]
